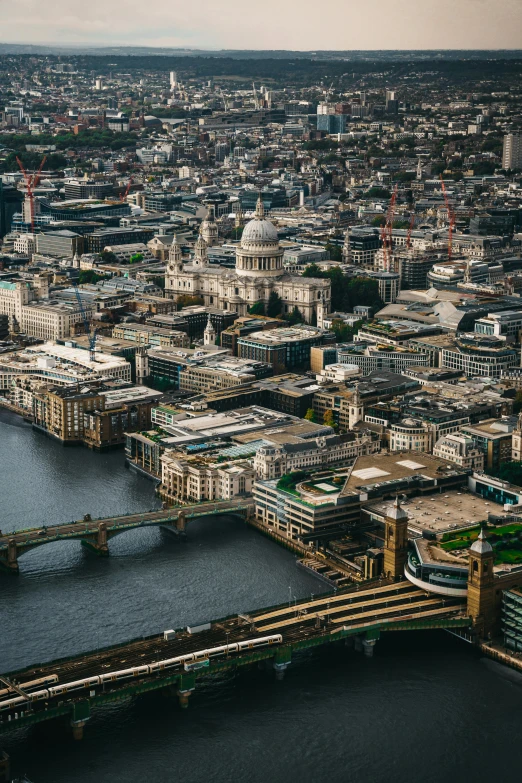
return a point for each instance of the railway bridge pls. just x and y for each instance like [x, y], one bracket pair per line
[176, 659]
[96, 533]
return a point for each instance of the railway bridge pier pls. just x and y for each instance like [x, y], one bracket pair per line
[176, 660]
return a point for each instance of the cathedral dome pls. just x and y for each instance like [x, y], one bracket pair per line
[259, 254]
[259, 231]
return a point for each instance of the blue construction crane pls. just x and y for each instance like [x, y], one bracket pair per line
[92, 337]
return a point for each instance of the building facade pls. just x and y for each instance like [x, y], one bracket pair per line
[192, 480]
[461, 450]
[272, 462]
[259, 272]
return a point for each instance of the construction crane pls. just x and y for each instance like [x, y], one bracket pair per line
[387, 230]
[223, 99]
[31, 183]
[127, 189]
[91, 336]
[451, 218]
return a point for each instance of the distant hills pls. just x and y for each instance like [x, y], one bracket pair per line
[252, 54]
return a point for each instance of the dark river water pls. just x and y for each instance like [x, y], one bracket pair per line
[426, 707]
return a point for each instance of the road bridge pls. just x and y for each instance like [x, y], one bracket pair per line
[358, 614]
[96, 533]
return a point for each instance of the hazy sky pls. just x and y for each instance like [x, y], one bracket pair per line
[267, 24]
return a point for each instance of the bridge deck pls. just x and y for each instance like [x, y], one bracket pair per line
[303, 624]
[33, 537]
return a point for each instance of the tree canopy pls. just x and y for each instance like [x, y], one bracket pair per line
[348, 291]
[258, 308]
[275, 305]
[344, 332]
[185, 300]
[90, 276]
[509, 471]
[295, 317]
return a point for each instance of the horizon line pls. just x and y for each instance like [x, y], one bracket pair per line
[250, 49]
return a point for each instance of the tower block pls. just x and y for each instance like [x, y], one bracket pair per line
[395, 540]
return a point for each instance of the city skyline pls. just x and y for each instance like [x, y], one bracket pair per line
[463, 24]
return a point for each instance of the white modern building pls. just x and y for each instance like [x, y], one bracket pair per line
[59, 365]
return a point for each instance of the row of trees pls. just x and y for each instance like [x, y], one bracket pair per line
[274, 309]
[344, 332]
[328, 417]
[509, 471]
[186, 300]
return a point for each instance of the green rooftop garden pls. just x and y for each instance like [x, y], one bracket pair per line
[289, 481]
[506, 542]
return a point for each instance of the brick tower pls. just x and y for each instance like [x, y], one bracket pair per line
[481, 586]
[395, 540]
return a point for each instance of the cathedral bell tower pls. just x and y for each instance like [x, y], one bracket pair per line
[200, 254]
[209, 229]
[481, 585]
[174, 268]
[395, 541]
[175, 263]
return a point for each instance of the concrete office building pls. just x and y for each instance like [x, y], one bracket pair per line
[512, 151]
[59, 244]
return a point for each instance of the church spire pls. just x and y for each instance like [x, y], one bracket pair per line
[355, 408]
[209, 335]
[260, 208]
[356, 398]
[347, 248]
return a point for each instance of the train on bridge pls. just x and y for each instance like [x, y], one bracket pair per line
[33, 692]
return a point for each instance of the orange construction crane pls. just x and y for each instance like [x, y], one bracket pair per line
[127, 189]
[451, 218]
[31, 183]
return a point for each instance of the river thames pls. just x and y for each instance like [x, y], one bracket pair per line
[426, 708]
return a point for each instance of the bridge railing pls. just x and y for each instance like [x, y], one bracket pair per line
[167, 515]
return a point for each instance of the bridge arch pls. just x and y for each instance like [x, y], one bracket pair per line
[96, 534]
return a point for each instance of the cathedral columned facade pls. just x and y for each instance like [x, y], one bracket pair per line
[259, 271]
